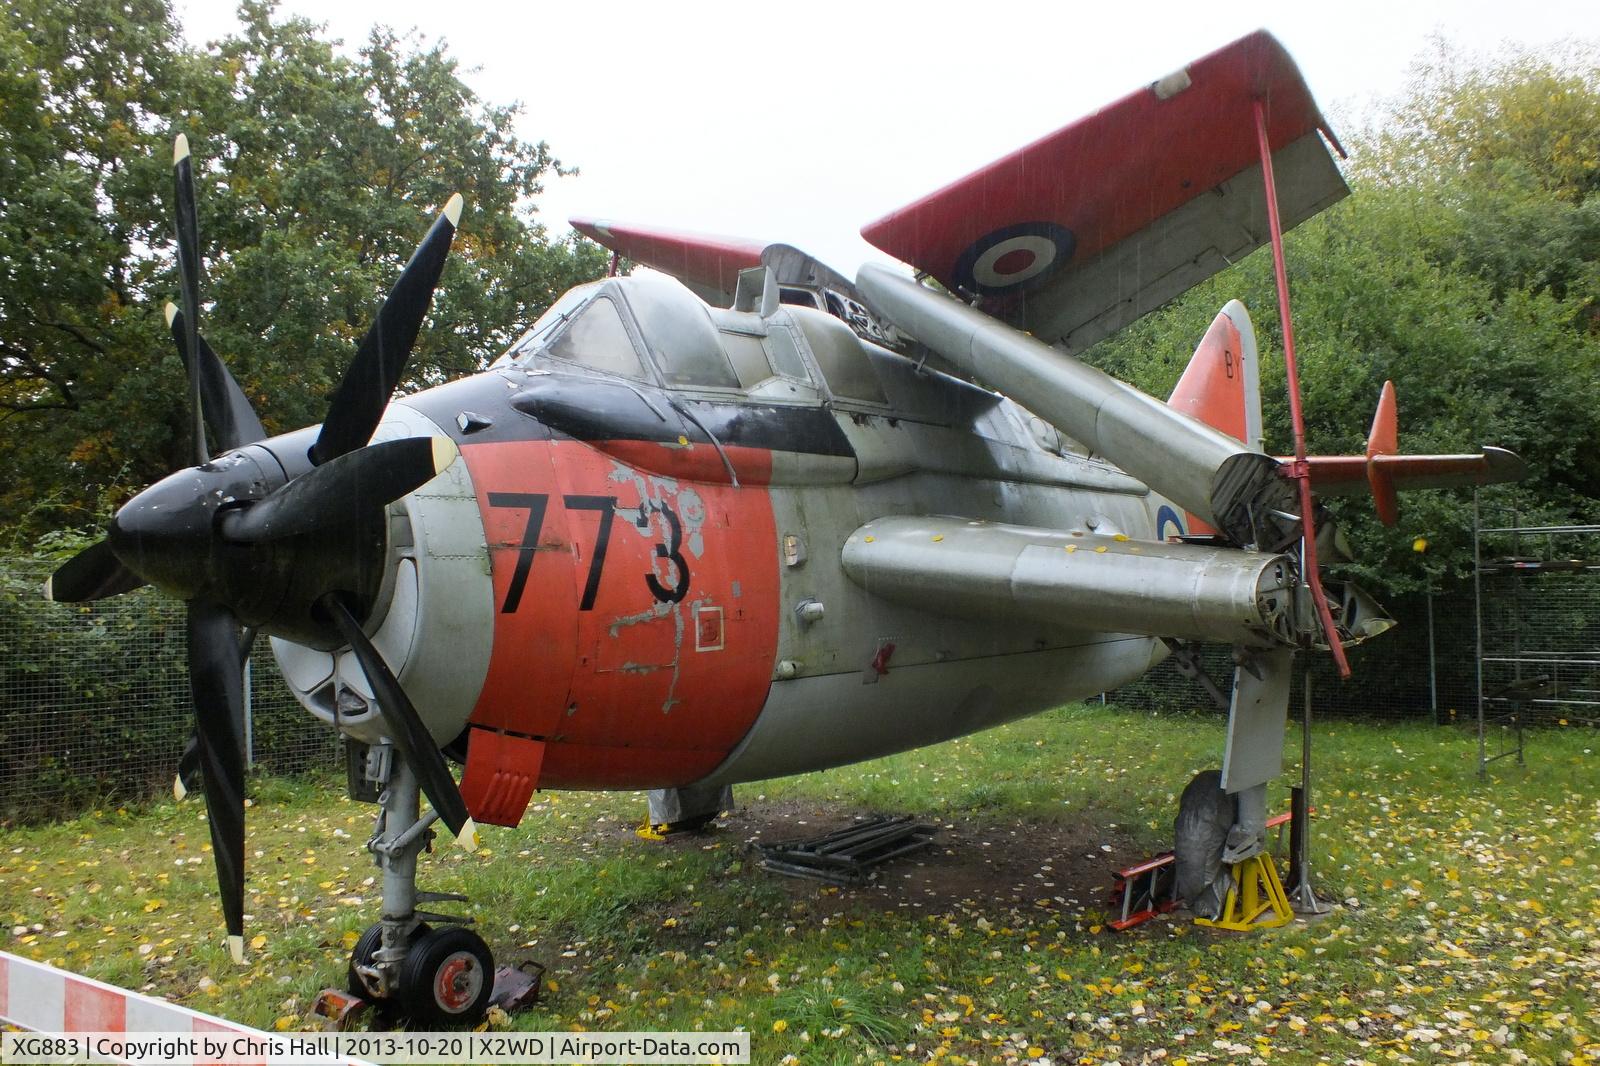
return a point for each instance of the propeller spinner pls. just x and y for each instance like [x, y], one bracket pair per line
[217, 533]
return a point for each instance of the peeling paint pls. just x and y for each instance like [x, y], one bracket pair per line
[649, 614]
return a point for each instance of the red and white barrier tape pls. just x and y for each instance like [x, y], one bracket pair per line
[44, 999]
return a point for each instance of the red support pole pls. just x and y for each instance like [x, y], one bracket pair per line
[1299, 470]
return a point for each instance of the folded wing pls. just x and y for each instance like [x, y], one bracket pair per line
[1080, 233]
[708, 264]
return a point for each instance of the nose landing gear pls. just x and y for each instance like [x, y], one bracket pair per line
[438, 977]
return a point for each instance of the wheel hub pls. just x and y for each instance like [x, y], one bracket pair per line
[458, 982]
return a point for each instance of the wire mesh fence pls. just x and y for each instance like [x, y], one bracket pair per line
[94, 701]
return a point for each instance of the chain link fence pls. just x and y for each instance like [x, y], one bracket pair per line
[94, 701]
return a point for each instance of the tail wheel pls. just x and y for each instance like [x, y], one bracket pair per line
[1205, 814]
[447, 978]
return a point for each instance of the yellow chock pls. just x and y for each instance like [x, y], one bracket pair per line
[651, 832]
[1256, 900]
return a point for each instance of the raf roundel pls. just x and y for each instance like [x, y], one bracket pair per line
[1014, 258]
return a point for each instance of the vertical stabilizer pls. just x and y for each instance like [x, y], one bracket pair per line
[1222, 384]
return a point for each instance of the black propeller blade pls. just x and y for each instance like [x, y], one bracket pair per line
[358, 403]
[228, 413]
[187, 778]
[170, 532]
[353, 484]
[410, 736]
[217, 683]
[92, 574]
[189, 278]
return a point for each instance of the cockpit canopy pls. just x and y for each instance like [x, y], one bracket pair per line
[649, 328]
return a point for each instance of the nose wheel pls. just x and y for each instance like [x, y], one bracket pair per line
[447, 977]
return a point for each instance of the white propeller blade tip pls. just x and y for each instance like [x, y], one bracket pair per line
[467, 839]
[171, 313]
[178, 791]
[444, 453]
[49, 593]
[452, 209]
[236, 949]
[180, 149]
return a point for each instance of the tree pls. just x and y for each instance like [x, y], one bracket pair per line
[317, 174]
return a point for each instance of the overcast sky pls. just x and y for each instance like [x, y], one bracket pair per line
[802, 122]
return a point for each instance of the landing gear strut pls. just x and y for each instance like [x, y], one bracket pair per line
[438, 976]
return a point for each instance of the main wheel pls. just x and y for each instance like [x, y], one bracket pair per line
[1205, 814]
[447, 977]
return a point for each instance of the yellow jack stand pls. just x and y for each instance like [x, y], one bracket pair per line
[1256, 892]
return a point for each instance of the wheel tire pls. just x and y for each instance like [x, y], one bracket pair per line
[447, 978]
[1205, 814]
[361, 955]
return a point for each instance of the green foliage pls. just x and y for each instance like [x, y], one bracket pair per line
[94, 698]
[317, 175]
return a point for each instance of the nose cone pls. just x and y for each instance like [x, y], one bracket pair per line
[165, 534]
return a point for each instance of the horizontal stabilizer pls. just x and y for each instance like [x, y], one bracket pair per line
[1346, 475]
[1383, 472]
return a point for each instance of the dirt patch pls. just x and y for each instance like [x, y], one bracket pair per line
[972, 862]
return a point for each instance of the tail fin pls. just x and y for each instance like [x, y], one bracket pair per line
[1222, 384]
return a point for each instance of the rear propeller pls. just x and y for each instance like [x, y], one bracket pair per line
[215, 533]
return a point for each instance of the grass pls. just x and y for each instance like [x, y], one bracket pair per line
[1468, 931]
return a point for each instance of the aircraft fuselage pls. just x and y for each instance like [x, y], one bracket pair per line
[658, 563]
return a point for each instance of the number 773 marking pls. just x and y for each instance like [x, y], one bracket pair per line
[535, 503]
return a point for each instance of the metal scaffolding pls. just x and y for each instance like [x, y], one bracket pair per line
[1537, 595]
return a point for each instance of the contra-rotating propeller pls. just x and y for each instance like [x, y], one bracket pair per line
[249, 518]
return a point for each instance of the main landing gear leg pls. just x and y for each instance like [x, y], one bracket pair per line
[1248, 835]
[435, 976]
[674, 810]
